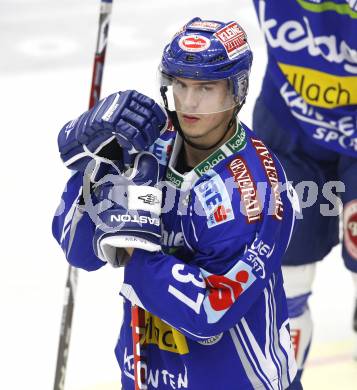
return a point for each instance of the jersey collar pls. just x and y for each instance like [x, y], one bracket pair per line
[184, 181]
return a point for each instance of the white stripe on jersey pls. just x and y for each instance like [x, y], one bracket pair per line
[261, 363]
[184, 237]
[77, 216]
[264, 368]
[283, 348]
[270, 302]
[69, 216]
[248, 367]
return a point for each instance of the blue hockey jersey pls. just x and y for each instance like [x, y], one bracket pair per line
[311, 78]
[215, 308]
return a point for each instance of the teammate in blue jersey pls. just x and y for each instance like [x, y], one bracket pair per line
[200, 221]
[306, 113]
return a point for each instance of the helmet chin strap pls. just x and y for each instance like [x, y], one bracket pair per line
[176, 123]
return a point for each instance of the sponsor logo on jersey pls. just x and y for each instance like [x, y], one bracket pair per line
[272, 175]
[156, 378]
[150, 199]
[349, 8]
[238, 141]
[321, 89]
[139, 219]
[173, 178]
[214, 197]
[164, 336]
[194, 43]
[220, 213]
[336, 132]
[172, 239]
[330, 136]
[162, 150]
[204, 26]
[210, 162]
[233, 39]
[294, 36]
[247, 188]
[350, 228]
[258, 253]
[310, 1]
[212, 340]
[224, 290]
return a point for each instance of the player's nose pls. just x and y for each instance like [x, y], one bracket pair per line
[191, 101]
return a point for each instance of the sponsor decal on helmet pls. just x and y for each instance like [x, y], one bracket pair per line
[194, 43]
[204, 25]
[350, 228]
[233, 39]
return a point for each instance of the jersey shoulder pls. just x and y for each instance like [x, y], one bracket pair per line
[229, 198]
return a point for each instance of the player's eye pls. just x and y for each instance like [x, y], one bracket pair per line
[206, 88]
[178, 84]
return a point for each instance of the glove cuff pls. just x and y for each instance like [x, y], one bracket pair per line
[112, 247]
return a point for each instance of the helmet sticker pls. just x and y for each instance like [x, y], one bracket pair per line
[194, 43]
[233, 39]
[204, 26]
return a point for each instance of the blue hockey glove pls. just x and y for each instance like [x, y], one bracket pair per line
[133, 119]
[130, 217]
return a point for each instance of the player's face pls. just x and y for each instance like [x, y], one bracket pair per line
[200, 107]
[201, 97]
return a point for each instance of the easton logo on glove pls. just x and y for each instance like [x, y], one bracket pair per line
[149, 199]
[139, 219]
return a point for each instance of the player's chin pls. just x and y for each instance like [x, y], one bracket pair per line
[193, 134]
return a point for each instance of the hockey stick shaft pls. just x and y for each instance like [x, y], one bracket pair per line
[72, 276]
[138, 332]
[102, 38]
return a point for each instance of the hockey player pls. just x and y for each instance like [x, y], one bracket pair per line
[207, 270]
[306, 113]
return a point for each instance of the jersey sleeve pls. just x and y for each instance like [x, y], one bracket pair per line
[231, 264]
[73, 228]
